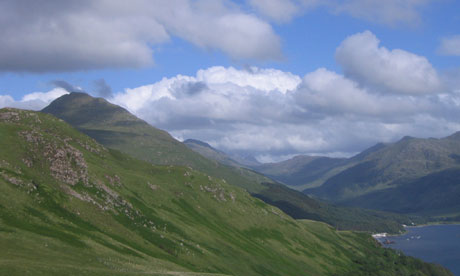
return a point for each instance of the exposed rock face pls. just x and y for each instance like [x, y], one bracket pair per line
[10, 116]
[66, 163]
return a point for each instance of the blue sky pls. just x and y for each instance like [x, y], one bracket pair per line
[271, 52]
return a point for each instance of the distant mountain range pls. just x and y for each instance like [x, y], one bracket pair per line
[413, 176]
[116, 128]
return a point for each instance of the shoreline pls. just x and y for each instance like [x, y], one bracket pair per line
[385, 235]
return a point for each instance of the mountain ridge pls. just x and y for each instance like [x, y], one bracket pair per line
[143, 142]
[391, 167]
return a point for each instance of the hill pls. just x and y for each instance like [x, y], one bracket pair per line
[115, 127]
[71, 206]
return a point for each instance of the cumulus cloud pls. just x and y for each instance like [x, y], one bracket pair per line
[327, 92]
[273, 114]
[262, 79]
[33, 101]
[450, 46]
[396, 70]
[45, 36]
[251, 111]
[56, 36]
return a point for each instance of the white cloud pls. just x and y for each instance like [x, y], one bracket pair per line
[32, 101]
[75, 35]
[450, 46]
[262, 79]
[72, 35]
[226, 87]
[271, 114]
[327, 92]
[395, 70]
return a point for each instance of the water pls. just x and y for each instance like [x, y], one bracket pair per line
[435, 244]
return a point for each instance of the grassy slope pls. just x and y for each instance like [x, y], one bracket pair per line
[116, 128]
[70, 206]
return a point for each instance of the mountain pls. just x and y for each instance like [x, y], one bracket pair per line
[116, 128]
[409, 176]
[211, 153]
[70, 206]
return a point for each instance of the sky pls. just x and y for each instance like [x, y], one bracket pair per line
[265, 78]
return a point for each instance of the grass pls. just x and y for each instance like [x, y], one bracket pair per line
[128, 217]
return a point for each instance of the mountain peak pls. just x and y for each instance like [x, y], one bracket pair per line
[79, 109]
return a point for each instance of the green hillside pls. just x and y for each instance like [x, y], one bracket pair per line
[115, 127]
[69, 206]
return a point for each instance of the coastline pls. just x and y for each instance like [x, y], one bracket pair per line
[385, 235]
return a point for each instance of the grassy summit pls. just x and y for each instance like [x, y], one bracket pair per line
[71, 206]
